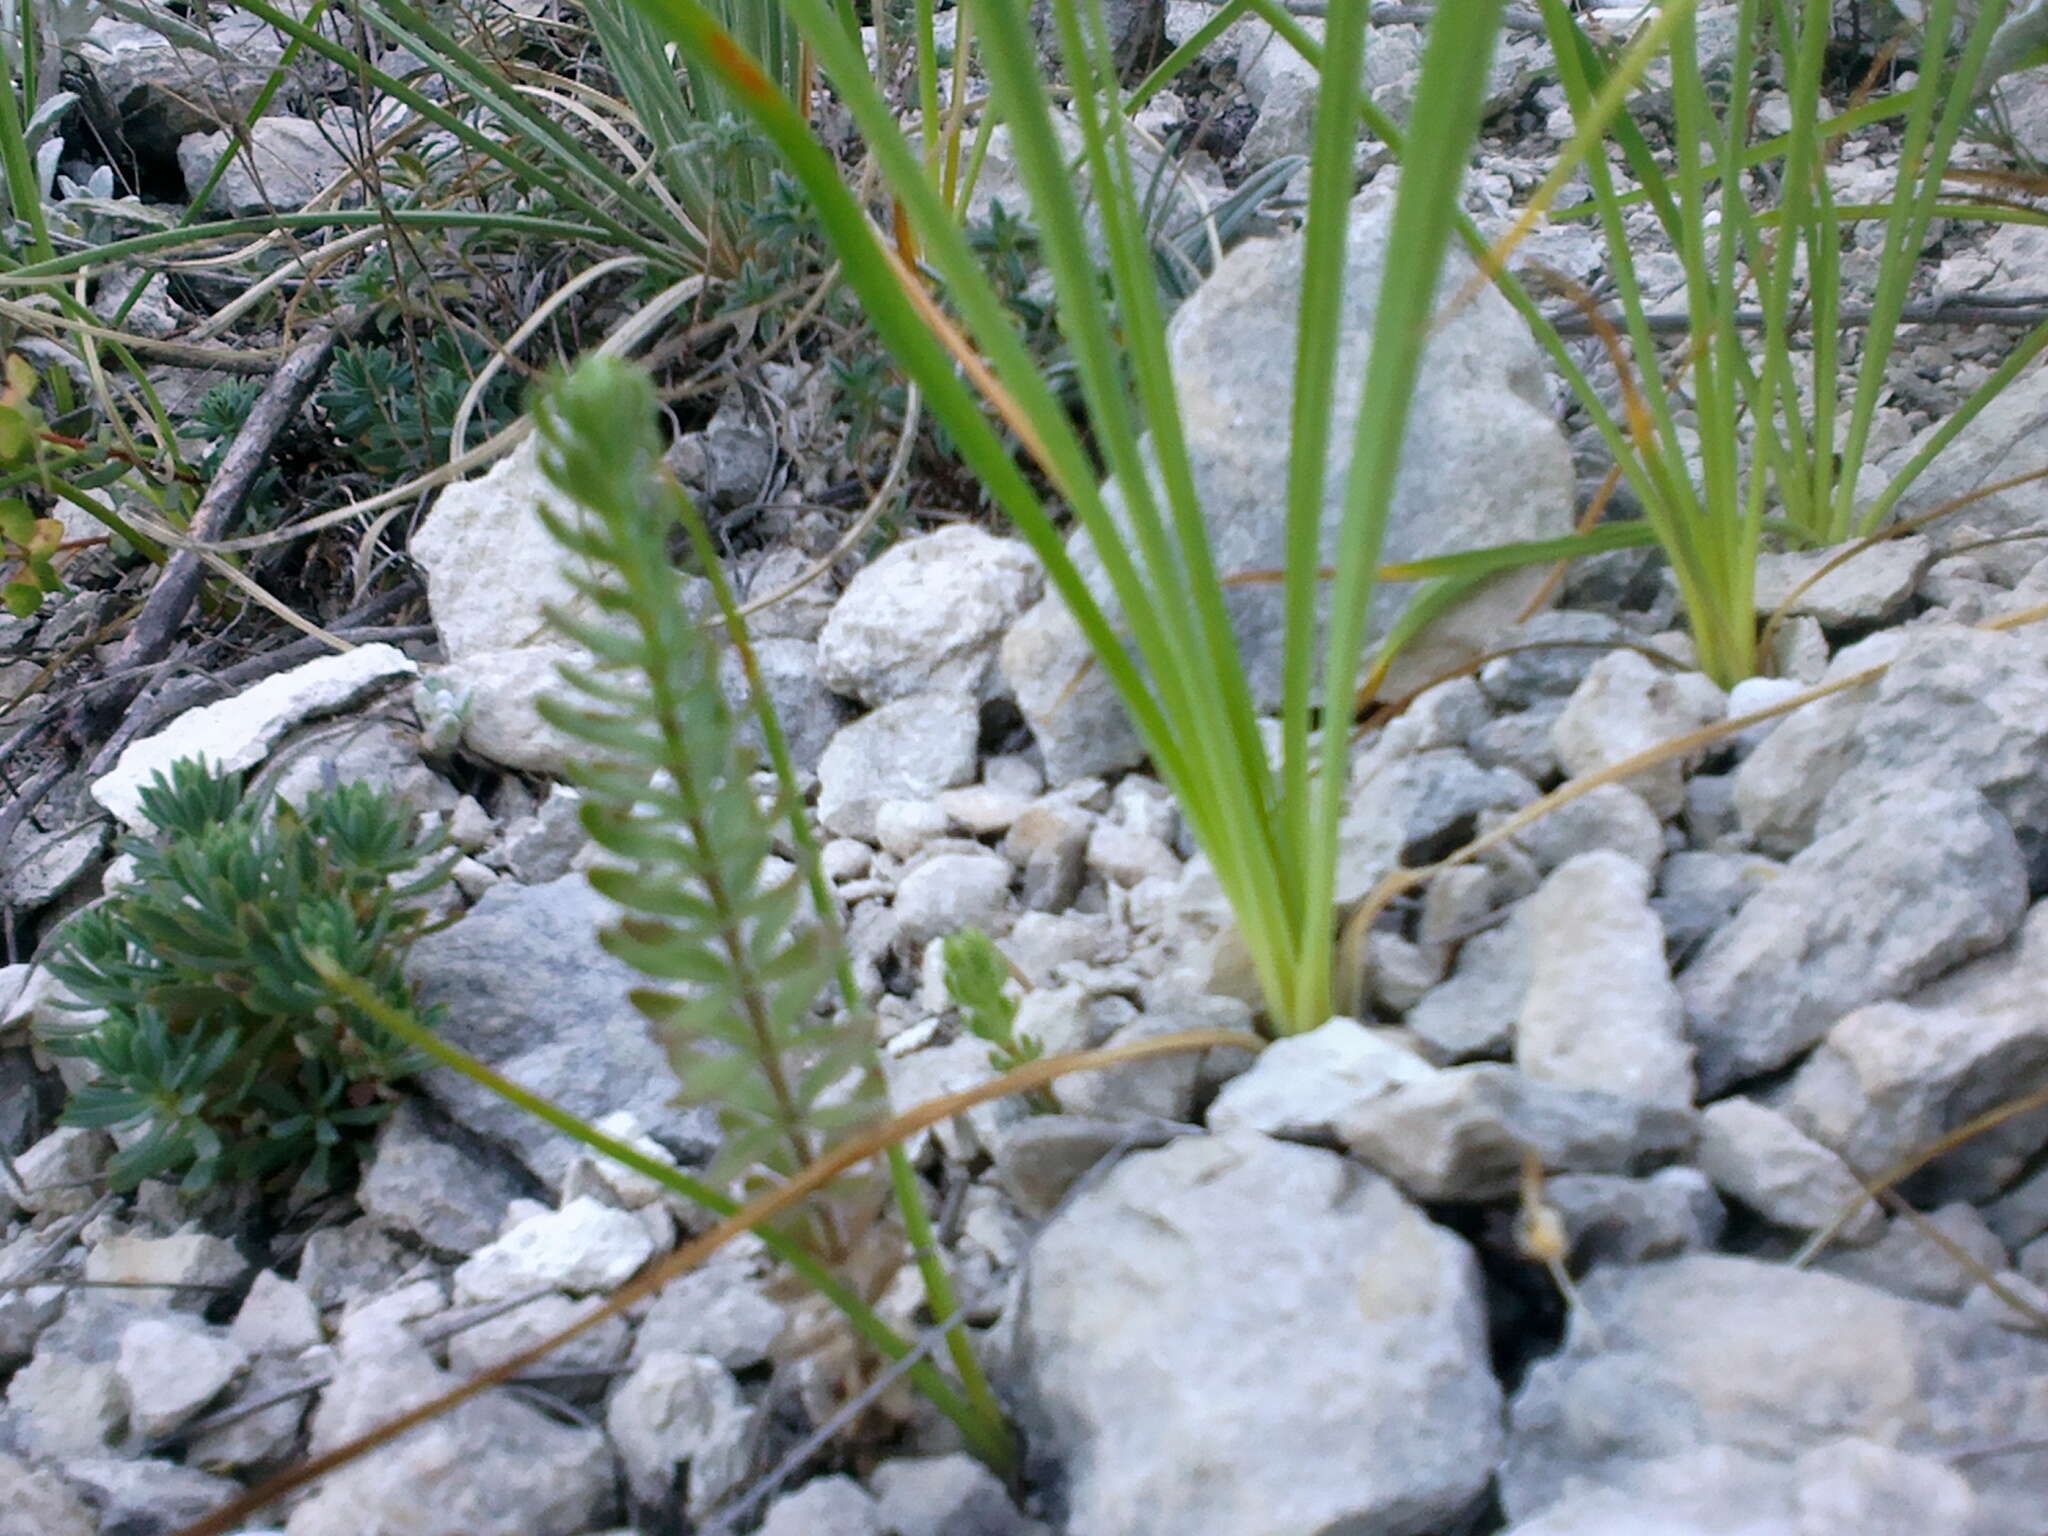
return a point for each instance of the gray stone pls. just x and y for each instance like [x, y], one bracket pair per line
[432, 1187]
[2009, 1300]
[1482, 463]
[1471, 897]
[1472, 1014]
[946, 892]
[825, 1506]
[1889, 900]
[1302, 1085]
[677, 1412]
[799, 616]
[614, 1183]
[1461, 1133]
[492, 1466]
[1909, 1262]
[927, 616]
[1134, 29]
[937, 1070]
[1161, 1087]
[904, 828]
[945, 1495]
[493, 570]
[1050, 841]
[1407, 810]
[1716, 1351]
[1959, 707]
[583, 1247]
[1761, 1160]
[731, 464]
[1698, 891]
[809, 712]
[528, 989]
[35, 1502]
[239, 732]
[25, 1311]
[599, 1350]
[280, 164]
[981, 811]
[544, 846]
[64, 1405]
[1520, 741]
[1611, 816]
[1780, 786]
[146, 1498]
[376, 750]
[1709, 817]
[500, 694]
[1600, 1010]
[2032, 1259]
[1128, 1376]
[1400, 972]
[1442, 716]
[1844, 1486]
[1548, 657]
[908, 749]
[2000, 442]
[270, 1435]
[1042, 943]
[345, 1263]
[1039, 1159]
[1872, 585]
[61, 1172]
[181, 1271]
[170, 1370]
[42, 866]
[1894, 1077]
[164, 88]
[1754, 695]
[1627, 704]
[1124, 857]
[1610, 1219]
[2021, 1214]
[372, 1314]
[719, 1310]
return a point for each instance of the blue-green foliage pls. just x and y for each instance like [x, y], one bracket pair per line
[717, 924]
[216, 1041]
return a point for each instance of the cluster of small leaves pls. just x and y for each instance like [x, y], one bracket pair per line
[28, 543]
[221, 414]
[393, 403]
[212, 1039]
[1009, 250]
[713, 919]
[977, 980]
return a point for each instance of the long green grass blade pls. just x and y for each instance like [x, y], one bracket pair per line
[1445, 120]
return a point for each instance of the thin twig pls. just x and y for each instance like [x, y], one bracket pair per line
[89, 721]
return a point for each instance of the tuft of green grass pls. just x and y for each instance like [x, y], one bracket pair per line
[1739, 439]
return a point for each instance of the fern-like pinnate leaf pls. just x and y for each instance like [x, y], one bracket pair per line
[713, 919]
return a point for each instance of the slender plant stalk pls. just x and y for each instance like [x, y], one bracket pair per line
[990, 1432]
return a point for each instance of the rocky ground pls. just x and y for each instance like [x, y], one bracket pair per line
[1281, 1296]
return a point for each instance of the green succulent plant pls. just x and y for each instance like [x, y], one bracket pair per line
[210, 1034]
